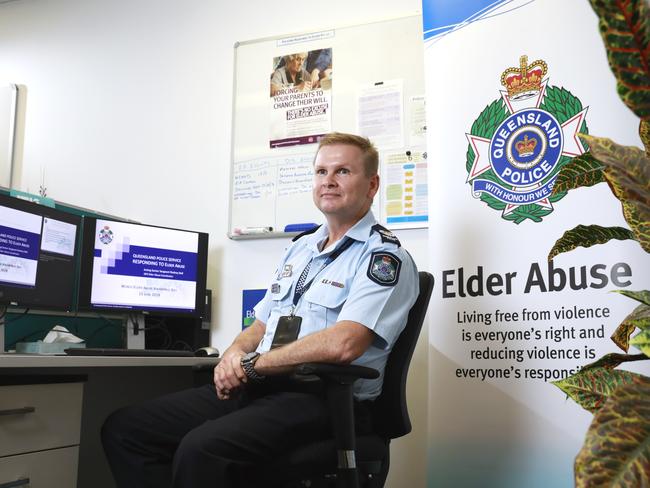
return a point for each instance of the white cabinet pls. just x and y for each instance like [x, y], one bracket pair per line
[40, 428]
[43, 469]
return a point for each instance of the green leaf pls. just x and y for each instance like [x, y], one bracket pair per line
[642, 341]
[616, 452]
[642, 296]
[587, 236]
[625, 29]
[639, 224]
[583, 170]
[640, 318]
[628, 175]
[613, 359]
[590, 388]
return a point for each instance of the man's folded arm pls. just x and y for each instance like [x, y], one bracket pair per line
[341, 343]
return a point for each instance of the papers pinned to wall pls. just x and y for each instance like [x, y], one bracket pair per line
[405, 188]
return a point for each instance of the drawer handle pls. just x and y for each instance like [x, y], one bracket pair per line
[17, 411]
[14, 484]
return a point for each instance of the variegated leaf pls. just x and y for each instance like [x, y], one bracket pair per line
[587, 236]
[640, 318]
[621, 335]
[636, 216]
[641, 228]
[613, 359]
[642, 341]
[625, 29]
[590, 388]
[642, 296]
[628, 175]
[616, 452]
[644, 134]
[583, 170]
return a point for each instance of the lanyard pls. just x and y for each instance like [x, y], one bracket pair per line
[302, 287]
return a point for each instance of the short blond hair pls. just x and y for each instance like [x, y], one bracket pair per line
[368, 150]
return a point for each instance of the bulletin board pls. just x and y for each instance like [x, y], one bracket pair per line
[373, 85]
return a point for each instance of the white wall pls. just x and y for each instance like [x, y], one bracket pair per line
[129, 111]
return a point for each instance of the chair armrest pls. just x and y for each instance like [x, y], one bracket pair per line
[202, 367]
[339, 373]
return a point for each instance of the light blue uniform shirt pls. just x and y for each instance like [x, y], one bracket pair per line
[355, 286]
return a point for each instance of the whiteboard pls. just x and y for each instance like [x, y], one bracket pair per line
[271, 186]
[8, 100]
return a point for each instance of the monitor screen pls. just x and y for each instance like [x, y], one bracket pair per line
[142, 268]
[37, 255]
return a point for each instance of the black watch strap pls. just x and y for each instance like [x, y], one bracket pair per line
[248, 365]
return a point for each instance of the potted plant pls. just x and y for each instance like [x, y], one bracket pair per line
[616, 451]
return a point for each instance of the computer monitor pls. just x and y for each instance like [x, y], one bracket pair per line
[128, 267]
[38, 255]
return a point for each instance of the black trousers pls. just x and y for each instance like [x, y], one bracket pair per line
[191, 439]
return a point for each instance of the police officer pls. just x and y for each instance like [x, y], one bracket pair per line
[341, 294]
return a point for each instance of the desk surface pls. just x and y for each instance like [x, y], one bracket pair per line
[11, 360]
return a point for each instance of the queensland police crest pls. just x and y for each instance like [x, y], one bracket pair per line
[106, 235]
[384, 268]
[520, 142]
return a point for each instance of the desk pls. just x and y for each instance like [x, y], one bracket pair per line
[112, 382]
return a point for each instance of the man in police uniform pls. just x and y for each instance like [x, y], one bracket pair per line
[341, 294]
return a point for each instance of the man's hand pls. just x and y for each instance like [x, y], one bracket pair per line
[228, 374]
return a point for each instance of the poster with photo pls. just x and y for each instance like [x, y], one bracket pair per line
[300, 97]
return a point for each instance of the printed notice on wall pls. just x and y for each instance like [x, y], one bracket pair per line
[380, 113]
[405, 183]
[418, 120]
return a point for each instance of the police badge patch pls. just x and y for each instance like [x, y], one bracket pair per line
[520, 142]
[384, 268]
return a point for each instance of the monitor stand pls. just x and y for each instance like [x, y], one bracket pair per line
[135, 331]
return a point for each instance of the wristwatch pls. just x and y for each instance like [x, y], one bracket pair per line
[248, 365]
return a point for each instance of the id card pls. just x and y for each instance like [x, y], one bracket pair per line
[287, 330]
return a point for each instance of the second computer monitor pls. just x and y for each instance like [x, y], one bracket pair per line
[136, 267]
[37, 255]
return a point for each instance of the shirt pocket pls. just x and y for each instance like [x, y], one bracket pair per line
[325, 303]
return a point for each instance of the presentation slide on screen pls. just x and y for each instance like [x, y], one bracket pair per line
[58, 237]
[20, 235]
[136, 266]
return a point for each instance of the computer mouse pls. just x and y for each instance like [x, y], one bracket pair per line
[207, 351]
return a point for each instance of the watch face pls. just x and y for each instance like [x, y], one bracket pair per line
[250, 356]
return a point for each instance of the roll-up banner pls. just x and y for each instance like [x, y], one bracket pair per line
[509, 84]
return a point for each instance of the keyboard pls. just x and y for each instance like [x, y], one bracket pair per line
[100, 351]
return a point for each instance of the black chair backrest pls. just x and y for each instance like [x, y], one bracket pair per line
[390, 412]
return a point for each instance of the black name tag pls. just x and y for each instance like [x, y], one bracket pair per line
[287, 330]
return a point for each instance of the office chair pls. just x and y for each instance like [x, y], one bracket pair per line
[361, 458]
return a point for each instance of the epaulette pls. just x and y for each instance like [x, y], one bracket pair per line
[386, 235]
[307, 232]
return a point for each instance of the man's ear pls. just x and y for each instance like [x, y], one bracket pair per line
[374, 185]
